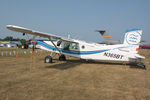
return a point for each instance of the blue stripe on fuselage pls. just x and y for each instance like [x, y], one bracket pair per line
[46, 45]
[70, 52]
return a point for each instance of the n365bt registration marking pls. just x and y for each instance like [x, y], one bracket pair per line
[112, 55]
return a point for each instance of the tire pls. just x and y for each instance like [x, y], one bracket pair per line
[62, 58]
[141, 65]
[48, 59]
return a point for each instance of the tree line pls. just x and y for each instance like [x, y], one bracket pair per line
[10, 38]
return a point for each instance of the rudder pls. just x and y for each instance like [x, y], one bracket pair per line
[133, 37]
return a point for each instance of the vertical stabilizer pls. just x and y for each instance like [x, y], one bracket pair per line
[133, 37]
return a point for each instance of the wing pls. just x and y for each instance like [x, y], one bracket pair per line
[37, 33]
[32, 32]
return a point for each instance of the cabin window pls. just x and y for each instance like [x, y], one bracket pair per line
[83, 47]
[71, 46]
[74, 46]
[66, 46]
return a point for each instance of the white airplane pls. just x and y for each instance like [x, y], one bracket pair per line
[126, 52]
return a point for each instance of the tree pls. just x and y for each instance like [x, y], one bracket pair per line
[8, 38]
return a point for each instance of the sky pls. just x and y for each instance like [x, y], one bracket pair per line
[77, 18]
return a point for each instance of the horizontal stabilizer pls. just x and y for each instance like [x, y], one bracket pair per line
[139, 56]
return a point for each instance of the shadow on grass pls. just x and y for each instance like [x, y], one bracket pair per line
[136, 67]
[67, 64]
[73, 63]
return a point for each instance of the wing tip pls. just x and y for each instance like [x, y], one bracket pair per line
[9, 25]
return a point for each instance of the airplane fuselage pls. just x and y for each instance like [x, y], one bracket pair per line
[93, 51]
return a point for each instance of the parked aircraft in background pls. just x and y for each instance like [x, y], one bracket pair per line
[145, 45]
[108, 38]
[128, 51]
[7, 44]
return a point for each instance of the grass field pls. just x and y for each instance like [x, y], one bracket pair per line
[29, 78]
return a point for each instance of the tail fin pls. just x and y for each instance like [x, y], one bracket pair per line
[133, 37]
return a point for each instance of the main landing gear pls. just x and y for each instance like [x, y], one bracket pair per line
[49, 59]
[62, 58]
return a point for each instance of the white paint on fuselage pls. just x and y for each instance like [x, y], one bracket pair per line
[119, 52]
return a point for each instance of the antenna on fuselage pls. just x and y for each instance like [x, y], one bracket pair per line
[68, 36]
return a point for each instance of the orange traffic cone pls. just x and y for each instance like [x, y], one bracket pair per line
[17, 56]
[40, 54]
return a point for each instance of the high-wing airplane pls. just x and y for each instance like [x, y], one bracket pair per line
[125, 52]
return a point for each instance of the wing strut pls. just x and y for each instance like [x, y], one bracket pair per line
[55, 46]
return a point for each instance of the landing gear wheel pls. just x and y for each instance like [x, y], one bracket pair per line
[48, 59]
[141, 65]
[62, 58]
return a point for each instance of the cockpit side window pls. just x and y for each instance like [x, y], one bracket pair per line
[71, 46]
[66, 46]
[74, 46]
